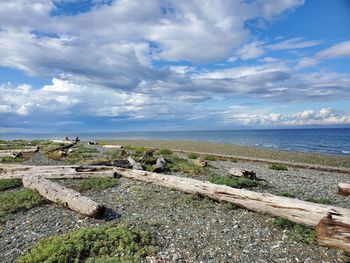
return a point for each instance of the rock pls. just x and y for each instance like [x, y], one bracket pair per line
[200, 162]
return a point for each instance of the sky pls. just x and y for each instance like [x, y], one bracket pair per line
[161, 65]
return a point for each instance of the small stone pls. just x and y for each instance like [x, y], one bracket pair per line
[176, 257]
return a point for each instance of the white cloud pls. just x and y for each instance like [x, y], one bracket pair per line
[340, 50]
[293, 43]
[325, 116]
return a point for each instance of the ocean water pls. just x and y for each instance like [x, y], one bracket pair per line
[334, 141]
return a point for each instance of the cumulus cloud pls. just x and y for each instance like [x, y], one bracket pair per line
[325, 116]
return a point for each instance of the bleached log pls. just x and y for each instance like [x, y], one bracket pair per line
[344, 189]
[55, 172]
[293, 209]
[111, 146]
[334, 231]
[242, 173]
[160, 165]
[135, 165]
[200, 162]
[13, 152]
[62, 195]
[62, 141]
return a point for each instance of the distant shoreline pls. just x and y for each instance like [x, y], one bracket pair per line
[240, 150]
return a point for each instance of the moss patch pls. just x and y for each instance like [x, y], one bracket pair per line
[177, 164]
[286, 194]
[233, 181]
[296, 231]
[100, 244]
[278, 167]
[9, 183]
[193, 155]
[321, 200]
[210, 158]
[164, 151]
[95, 183]
[13, 202]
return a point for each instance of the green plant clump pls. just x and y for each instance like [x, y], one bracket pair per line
[99, 244]
[286, 194]
[177, 164]
[96, 183]
[210, 158]
[193, 155]
[321, 200]
[10, 159]
[233, 181]
[297, 232]
[278, 167]
[165, 152]
[13, 202]
[9, 183]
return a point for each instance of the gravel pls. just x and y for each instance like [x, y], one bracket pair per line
[187, 228]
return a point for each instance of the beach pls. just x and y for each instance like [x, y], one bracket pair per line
[187, 227]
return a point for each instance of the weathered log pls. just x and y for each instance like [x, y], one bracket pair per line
[15, 152]
[293, 209]
[116, 163]
[62, 195]
[160, 165]
[55, 172]
[242, 173]
[61, 141]
[135, 165]
[344, 189]
[200, 162]
[112, 146]
[334, 231]
[146, 155]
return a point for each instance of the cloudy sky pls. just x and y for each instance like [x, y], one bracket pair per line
[103, 65]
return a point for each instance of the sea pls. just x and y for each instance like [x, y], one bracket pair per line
[334, 141]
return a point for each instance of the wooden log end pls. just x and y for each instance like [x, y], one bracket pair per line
[333, 231]
[344, 189]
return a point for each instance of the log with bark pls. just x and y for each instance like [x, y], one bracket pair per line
[62, 195]
[237, 172]
[344, 189]
[116, 163]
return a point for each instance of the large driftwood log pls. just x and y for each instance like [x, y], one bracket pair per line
[135, 165]
[160, 165]
[14, 152]
[293, 209]
[55, 172]
[334, 231]
[62, 195]
[344, 189]
[242, 173]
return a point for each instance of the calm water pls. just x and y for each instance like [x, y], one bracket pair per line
[330, 141]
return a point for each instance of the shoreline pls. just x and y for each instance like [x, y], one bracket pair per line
[240, 151]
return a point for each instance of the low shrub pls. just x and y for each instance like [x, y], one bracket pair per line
[210, 158]
[9, 183]
[99, 244]
[10, 159]
[234, 182]
[13, 202]
[286, 194]
[165, 152]
[177, 164]
[278, 167]
[320, 200]
[193, 155]
[296, 231]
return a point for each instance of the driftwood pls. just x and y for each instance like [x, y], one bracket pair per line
[116, 163]
[200, 162]
[146, 155]
[55, 172]
[135, 165]
[333, 231]
[62, 195]
[112, 146]
[160, 165]
[242, 173]
[344, 189]
[18, 152]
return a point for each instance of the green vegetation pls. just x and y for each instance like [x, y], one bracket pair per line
[96, 183]
[210, 158]
[165, 151]
[196, 200]
[234, 181]
[99, 244]
[279, 167]
[81, 153]
[15, 144]
[177, 164]
[193, 155]
[9, 183]
[10, 159]
[286, 194]
[296, 231]
[321, 200]
[12, 202]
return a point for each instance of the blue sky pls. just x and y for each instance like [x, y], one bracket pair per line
[103, 65]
